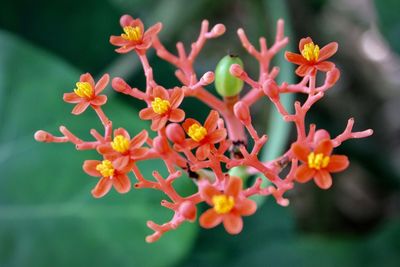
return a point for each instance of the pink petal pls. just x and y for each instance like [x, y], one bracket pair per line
[327, 51]
[211, 121]
[89, 166]
[144, 45]
[102, 187]
[246, 207]
[102, 83]
[80, 107]
[105, 149]
[71, 98]
[207, 192]
[217, 136]
[139, 139]
[189, 122]
[120, 163]
[325, 66]
[303, 70]
[295, 58]
[304, 174]
[122, 183]
[176, 97]
[137, 153]
[203, 152]
[123, 132]
[125, 20]
[233, 223]
[176, 115]
[325, 147]
[158, 123]
[153, 30]
[87, 78]
[147, 114]
[210, 219]
[99, 100]
[234, 187]
[118, 41]
[303, 42]
[301, 151]
[125, 49]
[337, 163]
[323, 179]
[160, 92]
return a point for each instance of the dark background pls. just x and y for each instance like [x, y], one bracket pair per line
[47, 215]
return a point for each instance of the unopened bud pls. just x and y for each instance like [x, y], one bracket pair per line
[188, 210]
[42, 136]
[120, 85]
[218, 30]
[207, 78]
[242, 112]
[332, 76]
[175, 133]
[271, 89]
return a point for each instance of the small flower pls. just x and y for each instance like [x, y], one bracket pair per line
[134, 36]
[164, 107]
[311, 57]
[203, 137]
[123, 146]
[228, 207]
[87, 93]
[319, 163]
[112, 174]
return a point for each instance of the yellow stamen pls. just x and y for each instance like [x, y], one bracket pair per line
[84, 90]
[105, 168]
[160, 106]
[310, 52]
[120, 144]
[317, 161]
[223, 203]
[197, 132]
[132, 33]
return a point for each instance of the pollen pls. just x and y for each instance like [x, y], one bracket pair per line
[160, 106]
[84, 90]
[310, 52]
[132, 33]
[317, 161]
[105, 168]
[197, 132]
[120, 144]
[223, 203]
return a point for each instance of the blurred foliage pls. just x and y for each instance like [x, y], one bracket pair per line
[47, 215]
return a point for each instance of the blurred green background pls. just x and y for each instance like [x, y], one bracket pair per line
[47, 215]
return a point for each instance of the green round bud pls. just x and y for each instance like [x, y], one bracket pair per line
[226, 84]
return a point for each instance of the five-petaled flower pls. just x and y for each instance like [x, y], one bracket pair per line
[87, 93]
[311, 57]
[134, 36]
[164, 107]
[318, 163]
[112, 173]
[228, 206]
[203, 137]
[123, 146]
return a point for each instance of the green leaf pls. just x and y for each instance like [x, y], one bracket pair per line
[47, 214]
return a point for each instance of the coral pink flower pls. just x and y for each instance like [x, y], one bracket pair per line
[112, 174]
[319, 163]
[123, 146]
[311, 57]
[164, 107]
[87, 93]
[228, 207]
[205, 136]
[134, 36]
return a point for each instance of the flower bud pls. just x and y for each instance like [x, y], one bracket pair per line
[175, 133]
[188, 210]
[207, 78]
[42, 136]
[120, 85]
[161, 145]
[321, 135]
[332, 76]
[242, 112]
[226, 84]
[271, 89]
[218, 30]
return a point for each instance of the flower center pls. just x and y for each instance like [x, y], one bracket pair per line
[132, 33]
[160, 106]
[317, 161]
[310, 52]
[84, 90]
[105, 168]
[223, 203]
[120, 144]
[197, 132]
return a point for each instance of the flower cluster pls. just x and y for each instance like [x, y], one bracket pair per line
[204, 150]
